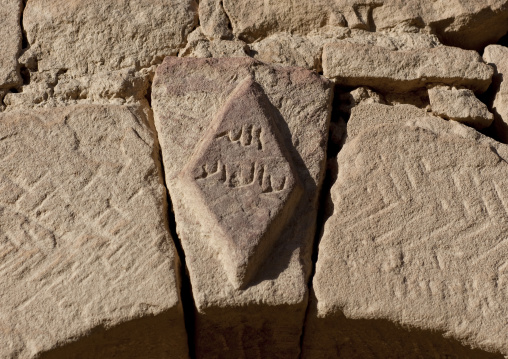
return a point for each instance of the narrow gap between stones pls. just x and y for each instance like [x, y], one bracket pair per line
[187, 299]
[323, 211]
[186, 287]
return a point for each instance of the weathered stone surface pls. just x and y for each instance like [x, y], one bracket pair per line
[380, 68]
[198, 45]
[498, 56]
[245, 116]
[87, 37]
[288, 49]
[254, 20]
[213, 20]
[97, 52]
[459, 105]
[469, 24]
[305, 51]
[417, 239]
[87, 265]
[368, 115]
[10, 43]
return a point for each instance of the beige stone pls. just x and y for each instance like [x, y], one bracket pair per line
[87, 37]
[198, 45]
[243, 146]
[413, 260]
[368, 115]
[88, 268]
[254, 20]
[96, 51]
[10, 43]
[459, 105]
[213, 20]
[305, 51]
[470, 24]
[288, 49]
[386, 70]
[498, 56]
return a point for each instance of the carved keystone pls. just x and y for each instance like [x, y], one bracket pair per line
[242, 176]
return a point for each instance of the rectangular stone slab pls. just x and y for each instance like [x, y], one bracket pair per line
[243, 146]
[413, 261]
[380, 68]
[85, 37]
[88, 268]
[10, 43]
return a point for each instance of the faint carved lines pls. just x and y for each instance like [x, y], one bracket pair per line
[501, 198]
[243, 180]
[246, 135]
[248, 174]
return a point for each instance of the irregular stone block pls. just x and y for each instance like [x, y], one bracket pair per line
[213, 20]
[380, 68]
[198, 45]
[243, 145]
[413, 260]
[88, 268]
[305, 51]
[254, 20]
[10, 43]
[459, 105]
[469, 24]
[498, 56]
[86, 37]
[368, 115]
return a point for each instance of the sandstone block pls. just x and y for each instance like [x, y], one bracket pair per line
[198, 45]
[254, 20]
[498, 56]
[459, 105]
[469, 24]
[380, 68]
[88, 268]
[413, 260]
[243, 145]
[368, 115]
[305, 51]
[10, 43]
[86, 37]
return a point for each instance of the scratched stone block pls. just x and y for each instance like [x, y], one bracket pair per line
[413, 262]
[87, 264]
[10, 43]
[243, 146]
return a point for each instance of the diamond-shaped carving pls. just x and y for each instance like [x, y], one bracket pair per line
[242, 182]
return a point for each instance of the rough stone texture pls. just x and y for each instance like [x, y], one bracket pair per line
[87, 265]
[380, 68]
[459, 105]
[10, 43]
[368, 115]
[305, 51]
[98, 51]
[470, 24]
[416, 238]
[203, 112]
[498, 56]
[90, 36]
[198, 45]
[214, 20]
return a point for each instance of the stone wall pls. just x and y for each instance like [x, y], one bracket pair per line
[253, 179]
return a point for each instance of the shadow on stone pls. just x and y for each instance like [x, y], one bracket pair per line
[147, 337]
